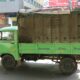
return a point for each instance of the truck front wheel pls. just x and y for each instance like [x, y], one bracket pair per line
[8, 62]
[68, 65]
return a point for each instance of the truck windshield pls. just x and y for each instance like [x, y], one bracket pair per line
[6, 36]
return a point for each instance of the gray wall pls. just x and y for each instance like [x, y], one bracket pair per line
[10, 5]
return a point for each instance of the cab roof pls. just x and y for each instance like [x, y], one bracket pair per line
[11, 28]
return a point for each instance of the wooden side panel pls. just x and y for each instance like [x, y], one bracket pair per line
[26, 29]
[78, 27]
[38, 23]
[47, 28]
[64, 28]
[55, 22]
[21, 29]
[29, 28]
[73, 28]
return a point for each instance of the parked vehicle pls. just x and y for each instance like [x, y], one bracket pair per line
[40, 36]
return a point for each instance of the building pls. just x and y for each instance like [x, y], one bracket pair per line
[62, 3]
[9, 9]
[46, 3]
[10, 6]
[40, 2]
[32, 4]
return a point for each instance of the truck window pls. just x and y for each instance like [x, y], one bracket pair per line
[6, 36]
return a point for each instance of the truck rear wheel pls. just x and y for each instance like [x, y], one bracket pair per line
[8, 62]
[68, 65]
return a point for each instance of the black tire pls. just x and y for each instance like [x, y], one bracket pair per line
[8, 62]
[68, 66]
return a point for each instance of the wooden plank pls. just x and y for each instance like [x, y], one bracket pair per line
[26, 29]
[78, 27]
[47, 28]
[38, 22]
[73, 28]
[64, 28]
[55, 28]
[29, 28]
[50, 28]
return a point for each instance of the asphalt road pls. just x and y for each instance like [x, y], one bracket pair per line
[37, 71]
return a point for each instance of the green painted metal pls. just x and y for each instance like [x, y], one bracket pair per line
[49, 48]
[10, 46]
[14, 48]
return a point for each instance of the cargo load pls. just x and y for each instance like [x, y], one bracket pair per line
[49, 27]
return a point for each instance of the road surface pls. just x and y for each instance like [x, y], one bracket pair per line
[37, 71]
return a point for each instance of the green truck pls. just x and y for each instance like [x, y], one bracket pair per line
[40, 36]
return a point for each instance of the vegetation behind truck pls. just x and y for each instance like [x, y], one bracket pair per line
[40, 36]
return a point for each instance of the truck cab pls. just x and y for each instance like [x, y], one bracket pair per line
[9, 46]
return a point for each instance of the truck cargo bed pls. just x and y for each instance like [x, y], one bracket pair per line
[49, 28]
